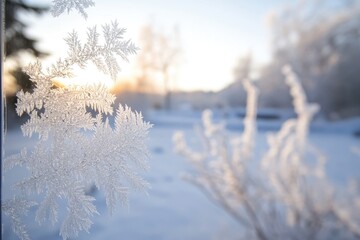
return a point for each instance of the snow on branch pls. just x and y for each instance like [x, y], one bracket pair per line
[283, 195]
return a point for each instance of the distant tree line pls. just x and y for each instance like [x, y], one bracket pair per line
[321, 41]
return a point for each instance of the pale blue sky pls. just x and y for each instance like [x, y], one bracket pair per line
[214, 33]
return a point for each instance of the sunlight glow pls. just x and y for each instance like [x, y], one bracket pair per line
[89, 76]
[212, 38]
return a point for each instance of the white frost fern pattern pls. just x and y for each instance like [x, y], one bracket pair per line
[77, 148]
[60, 6]
[15, 209]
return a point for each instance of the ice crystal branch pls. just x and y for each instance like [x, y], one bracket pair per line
[15, 209]
[77, 147]
[102, 55]
[60, 6]
[288, 196]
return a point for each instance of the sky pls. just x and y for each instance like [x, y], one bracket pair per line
[214, 34]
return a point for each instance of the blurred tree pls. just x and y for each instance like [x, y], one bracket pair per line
[17, 42]
[145, 60]
[157, 59]
[243, 68]
[16, 39]
[234, 94]
[320, 39]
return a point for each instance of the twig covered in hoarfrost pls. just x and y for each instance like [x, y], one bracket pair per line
[222, 166]
[288, 196]
[77, 147]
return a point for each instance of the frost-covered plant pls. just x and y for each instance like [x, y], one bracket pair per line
[286, 194]
[77, 146]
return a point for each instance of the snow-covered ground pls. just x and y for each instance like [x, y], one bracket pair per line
[175, 209]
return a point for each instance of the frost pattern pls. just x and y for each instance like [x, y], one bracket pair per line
[60, 6]
[286, 194]
[15, 209]
[77, 148]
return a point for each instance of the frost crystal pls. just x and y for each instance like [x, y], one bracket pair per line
[60, 6]
[77, 147]
[15, 209]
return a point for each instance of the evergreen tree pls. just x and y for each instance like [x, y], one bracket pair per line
[16, 39]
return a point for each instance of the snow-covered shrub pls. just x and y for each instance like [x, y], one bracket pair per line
[77, 147]
[283, 195]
